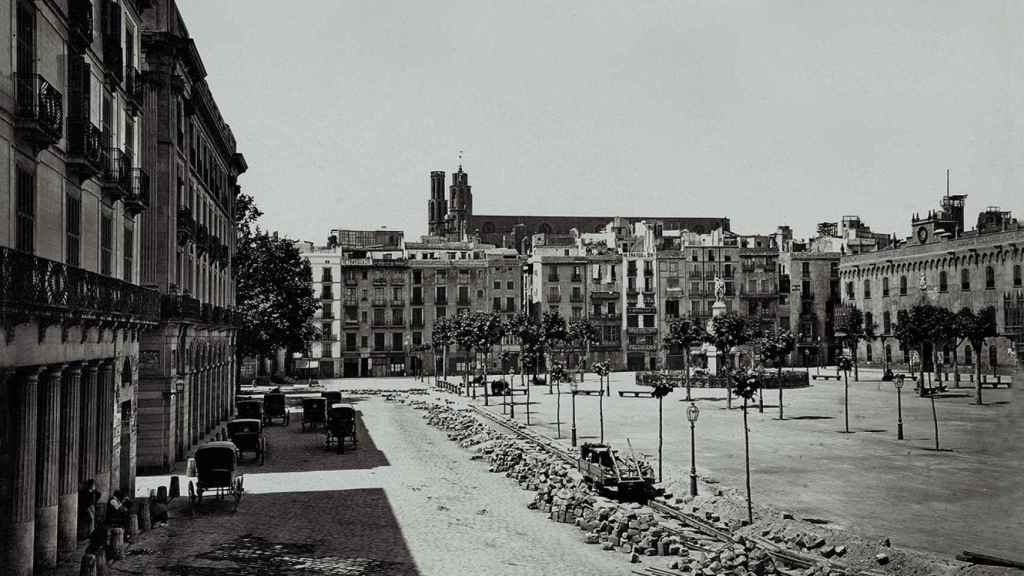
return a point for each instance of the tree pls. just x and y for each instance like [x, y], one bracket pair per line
[980, 327]
[442, 335]
[553, 334]
[274, 294]
[775, 347]
[684, 334]
[844, 364]
[464, 336]
[580, 334]
[560, 375]
[746, 386]
[603, 370]
[725, 333]
[851, 326]
[916, 328]
[526, 330]
[507, 358]
[487, 329]
[661, 387]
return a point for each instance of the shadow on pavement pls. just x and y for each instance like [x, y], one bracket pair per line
[340, 532]
[291, 450]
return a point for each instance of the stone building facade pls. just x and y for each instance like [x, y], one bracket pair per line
[71, 305]
[188, 361]
[943, 264]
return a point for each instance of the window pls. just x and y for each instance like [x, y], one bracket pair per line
[396, 341]
[74, 230]
[965, 279]
[990, 278]
[26, 218]
[886, 322]
[943, 281]
[441, 294]
[363, 342]
[326, 333]
[577, 312]
[885, 287]
[417, 338]
[497, 284]
[496, 304]
[417, 276]
[1016, 276]
[440, 312]
[325, 275]
[378, 341]
[849, 291]
[129, 249]
[378, 316]
[648, 320]
[510, 285]
[869, 322]
[441, 276]
[611, 309]
[463, 295]
[903, 285]
[350, 341]
[106, 243]
[510, 304]
[632, 321]
[417, 316]
[867, 289]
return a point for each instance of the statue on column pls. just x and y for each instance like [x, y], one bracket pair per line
[719, 289]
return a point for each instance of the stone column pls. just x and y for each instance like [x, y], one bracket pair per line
[193, 404]
[89, 413]
[67, 511]
[48, 451]
[22, 512]
[207, 397]
[105, 428]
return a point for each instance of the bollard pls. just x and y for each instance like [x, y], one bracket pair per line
[161, 494]
[143, 513]
[133, 527]
[116, 543]
[88, 566]
[175, 489]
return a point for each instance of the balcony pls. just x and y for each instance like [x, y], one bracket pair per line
[327, 295]
[134, 89]
[440, 301]
[552, 277]
[137, 198]
[399, 323]
[86, 154]
[641, 330]
[53, 292]
[350, 302]
[186, 225]
[115, 178]
[40, 111]
[576, 278]
[202, 239]
[417, 323]
[416, 301]
[398, 302]
[553, 298]
[576, 298]
[80, 23]
[606, 317]
[641, 310]
[379, 322]
[604, 294]
[463, 302]
[113, 58]
[380, 302]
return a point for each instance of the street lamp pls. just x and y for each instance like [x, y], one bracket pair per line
[692, 413]
[898, 382]
[573, 387]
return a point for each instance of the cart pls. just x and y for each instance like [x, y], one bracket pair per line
[247, 435]
[276, 407]
[216, 471]
[341, 424]
[314, 412]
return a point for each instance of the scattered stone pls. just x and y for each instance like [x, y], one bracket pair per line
[882, 558]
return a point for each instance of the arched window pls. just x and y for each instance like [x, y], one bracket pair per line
[990, 278]
[869, 322]
[943, 281]
[965, 279]
[886, 322]
[867, 289]
[903, 285]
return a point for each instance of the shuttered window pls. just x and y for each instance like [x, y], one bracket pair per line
[106, 244]
[73, 230]
[26, 210]
[129, 249]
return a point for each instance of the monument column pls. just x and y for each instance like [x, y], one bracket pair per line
[48, 450]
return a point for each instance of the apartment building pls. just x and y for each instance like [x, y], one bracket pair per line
[71, 305]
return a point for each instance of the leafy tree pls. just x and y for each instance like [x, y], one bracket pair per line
[580, 334]
[661, 387]
[526, 330]
[725, 333]
[916, 328]
[775, 347]
[553, 334]
[746, 385]
[844, 364]
[684, 334]
[507, 358]
[274, 293]
[978, 328]
[442, 335]
[488, 329]
[853, 327]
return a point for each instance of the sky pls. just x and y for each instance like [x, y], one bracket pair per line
[768, 113]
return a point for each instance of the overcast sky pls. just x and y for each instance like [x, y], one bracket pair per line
[768, 113]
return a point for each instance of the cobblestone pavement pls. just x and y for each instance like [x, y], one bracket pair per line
[407, 501]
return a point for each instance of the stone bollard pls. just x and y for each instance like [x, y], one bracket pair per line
[116, 543]
[175, 489]
[143, 512]
[133, 527]
[88, 566]
[161, 494]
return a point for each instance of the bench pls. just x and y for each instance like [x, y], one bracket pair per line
[589, 392]
[635, 393]
[825, 376]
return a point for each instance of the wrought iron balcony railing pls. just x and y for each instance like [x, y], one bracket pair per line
[40, 111]
[202, 239]
[137, 198]
[186, 225]
[80, 23]
[116, 176]
[52, 292]
[86, 154]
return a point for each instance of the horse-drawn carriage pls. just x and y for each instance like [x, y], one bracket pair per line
[247, 435]
[250, 409]
[216, 471]
[341, 424]
[314, 412]
[276, 407]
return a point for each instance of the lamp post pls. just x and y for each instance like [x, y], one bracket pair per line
[898, 382]
[573, 387]
[692, 413]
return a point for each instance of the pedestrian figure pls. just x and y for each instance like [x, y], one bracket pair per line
[88, 497]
